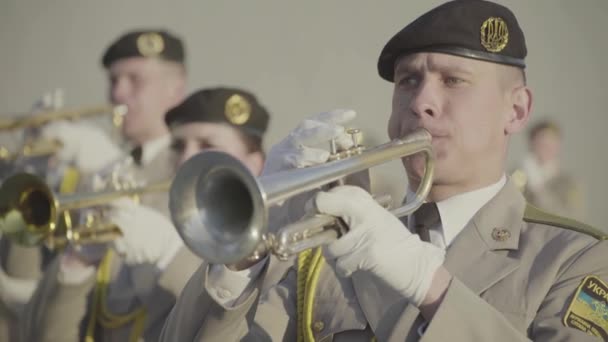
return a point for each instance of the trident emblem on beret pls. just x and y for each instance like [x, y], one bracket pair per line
[150, 44]
[494, 34]
[238, 109]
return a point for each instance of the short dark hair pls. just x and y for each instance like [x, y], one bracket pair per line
[524, 78]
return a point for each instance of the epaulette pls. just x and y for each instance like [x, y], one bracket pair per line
[535, 215]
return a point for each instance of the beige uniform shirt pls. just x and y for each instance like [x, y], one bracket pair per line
[60, 312]
[21, 271]
[516, 273]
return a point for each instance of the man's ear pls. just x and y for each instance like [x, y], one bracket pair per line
[521, 99]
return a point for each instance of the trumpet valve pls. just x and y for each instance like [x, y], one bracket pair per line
[356, 136]
[356, 148]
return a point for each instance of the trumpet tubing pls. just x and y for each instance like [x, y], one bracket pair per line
[37, 148]
[30, 212]
[42, 118]
[102, 233]
[221, 210]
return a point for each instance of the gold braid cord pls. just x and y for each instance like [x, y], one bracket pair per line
[100, 313]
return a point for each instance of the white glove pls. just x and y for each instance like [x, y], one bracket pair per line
[149, 236]
[308, 143]
[117, 174]
[86, 145]
[377, 242]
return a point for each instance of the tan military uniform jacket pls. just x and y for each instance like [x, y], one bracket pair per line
[24, 264]
[504, 289]
[60, 312]
[8, 323]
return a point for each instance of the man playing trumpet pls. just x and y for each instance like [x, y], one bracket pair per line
[475, 262]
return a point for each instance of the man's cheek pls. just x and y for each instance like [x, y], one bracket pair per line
[393, 127]
[399, 124]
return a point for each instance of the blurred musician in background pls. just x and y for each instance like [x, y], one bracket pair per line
[542, 177]
[23, 150]
[147, 74]
[128, 296]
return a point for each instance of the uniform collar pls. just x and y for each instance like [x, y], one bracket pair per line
[457, 211]
[477, 258]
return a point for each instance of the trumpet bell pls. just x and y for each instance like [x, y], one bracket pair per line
[28, 212]
[217, 190]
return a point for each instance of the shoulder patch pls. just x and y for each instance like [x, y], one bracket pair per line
[588, 309]
[535, 215]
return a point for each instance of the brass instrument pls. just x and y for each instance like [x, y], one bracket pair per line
[221, 210]
[31, 214]
[42, 118]
[37, 148]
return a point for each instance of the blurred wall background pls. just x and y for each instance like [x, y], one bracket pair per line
[304, 57]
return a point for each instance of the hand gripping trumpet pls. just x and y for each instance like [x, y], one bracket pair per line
[221, 210]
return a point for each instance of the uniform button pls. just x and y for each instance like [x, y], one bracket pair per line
[223, 293]
[318, 326]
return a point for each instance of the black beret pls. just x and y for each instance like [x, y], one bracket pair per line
[469, 28]
[145, 43]
[236, 107]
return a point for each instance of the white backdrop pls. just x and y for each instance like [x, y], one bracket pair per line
[302, 57]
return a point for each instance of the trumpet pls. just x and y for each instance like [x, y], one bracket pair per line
[39, 119]
[36, 148]
[31, 214]
[221, 210]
